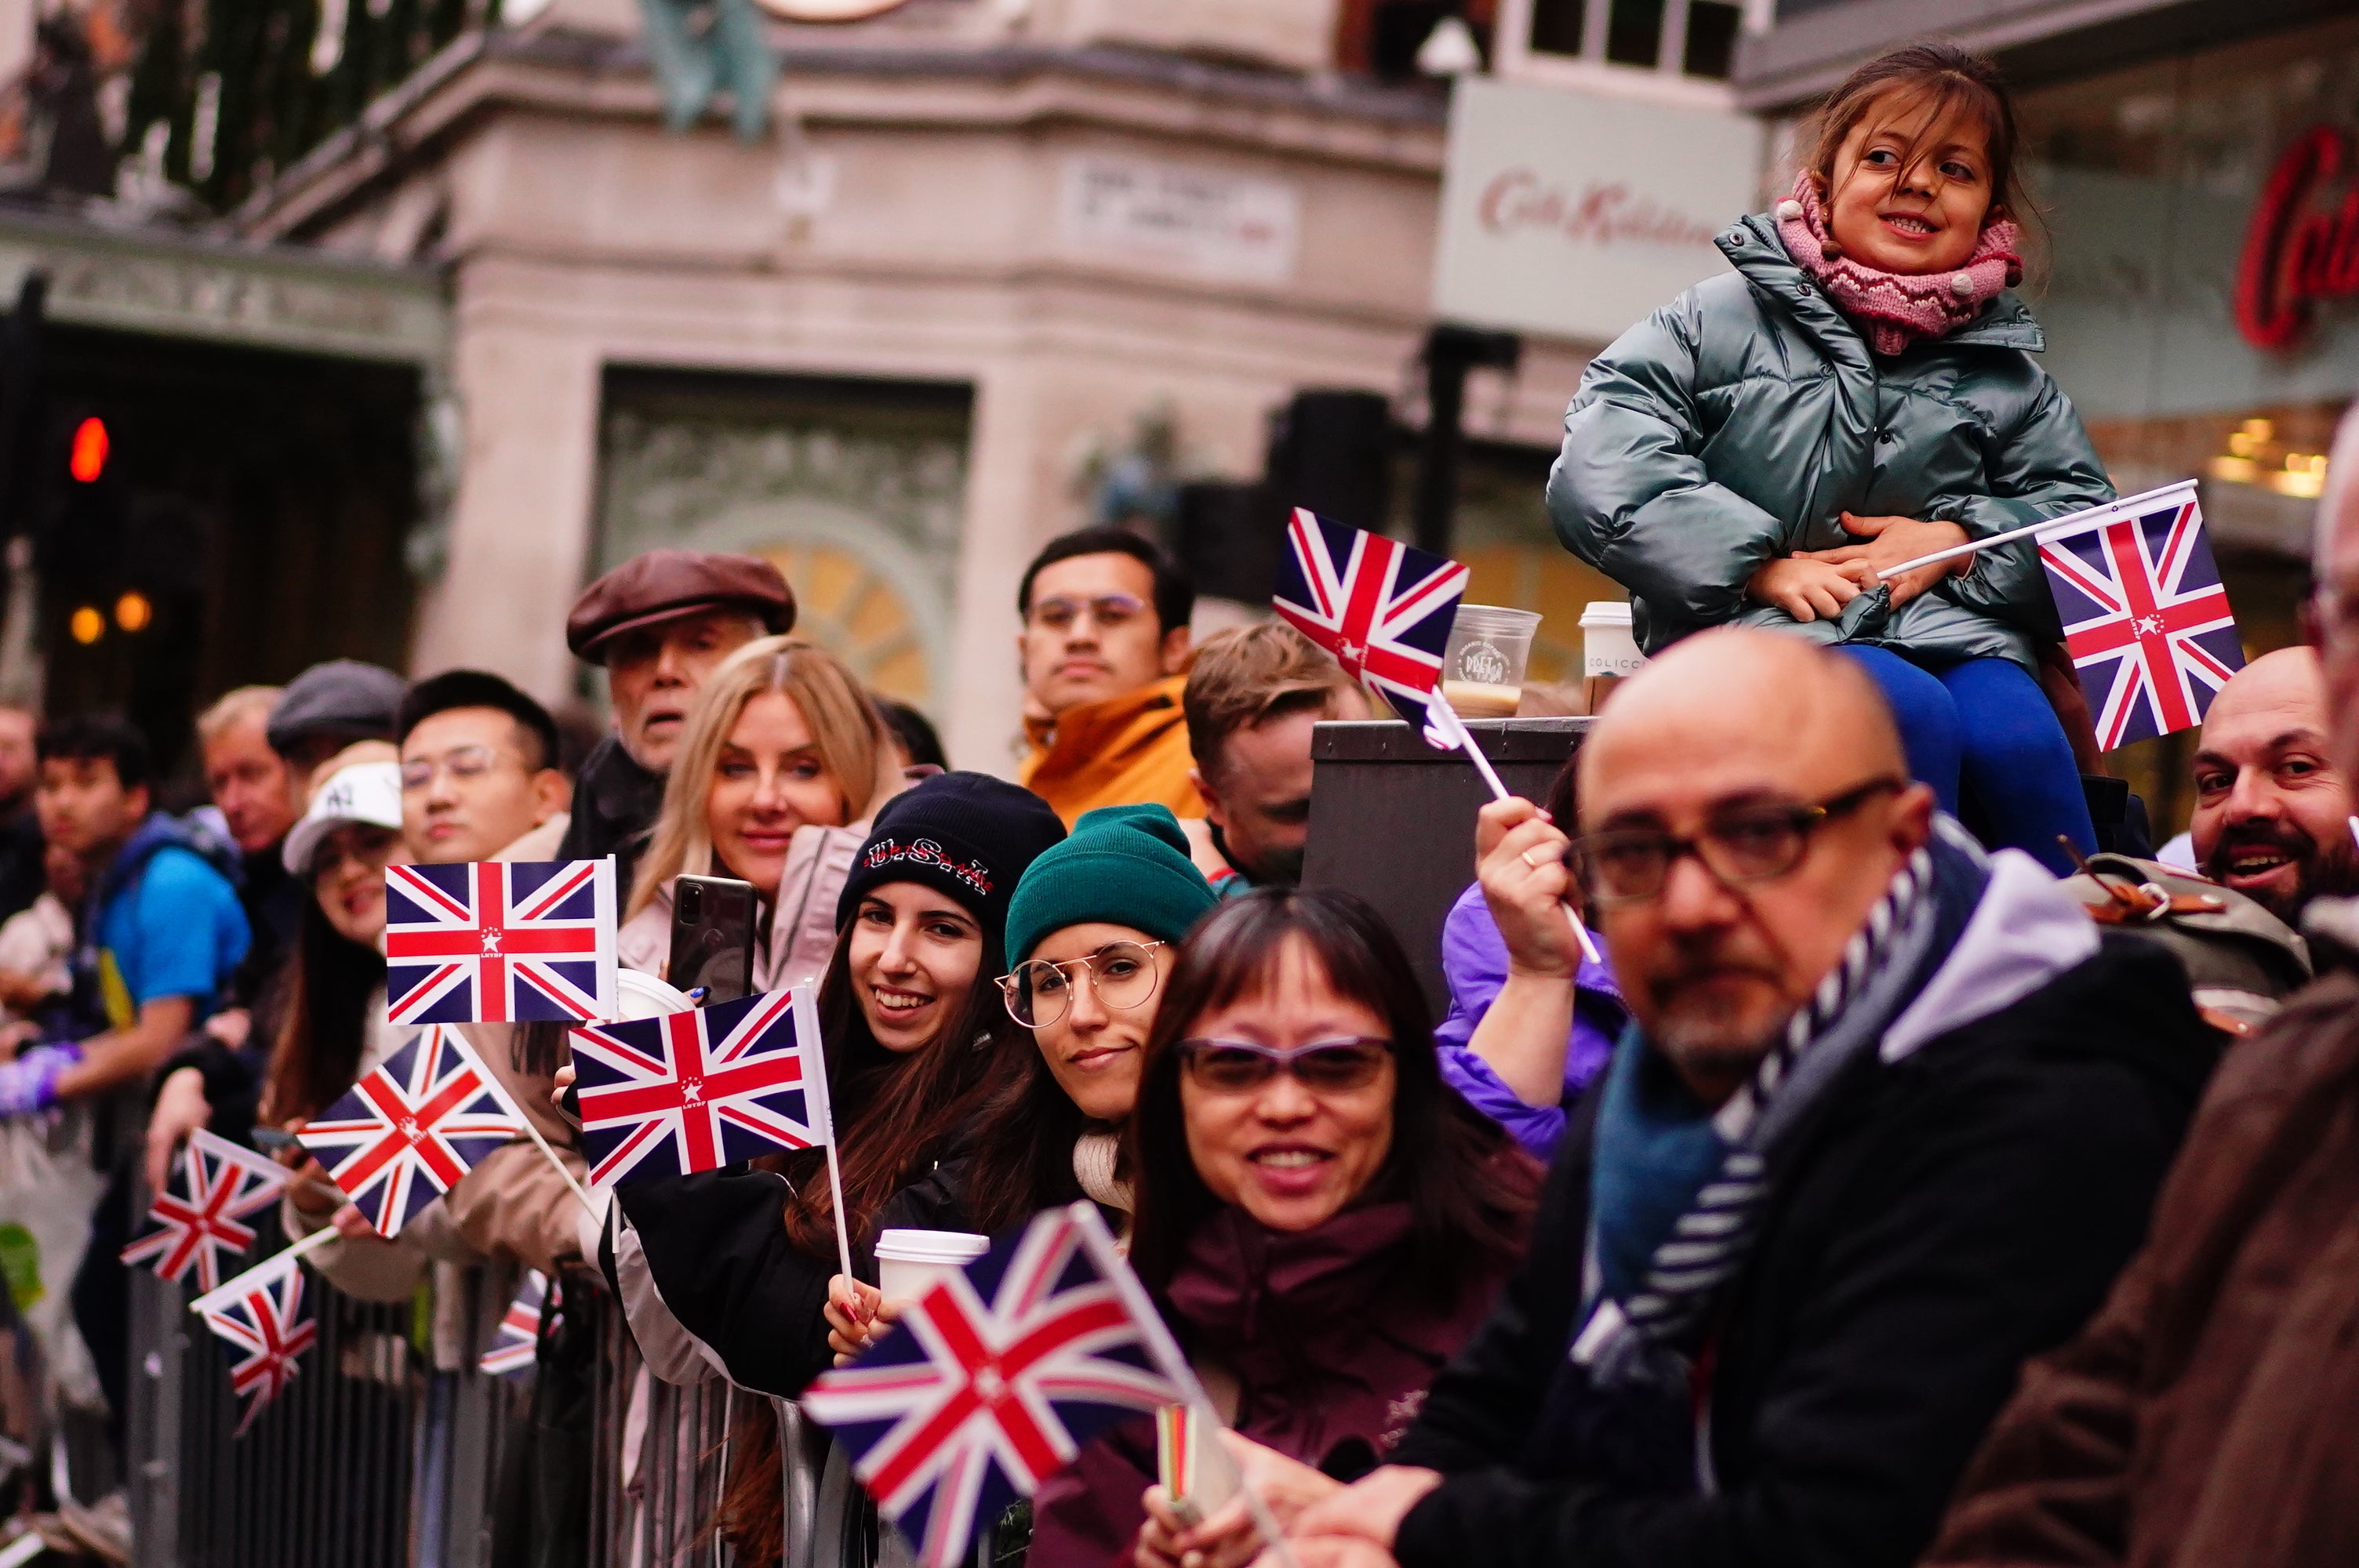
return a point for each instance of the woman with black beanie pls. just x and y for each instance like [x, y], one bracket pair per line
[730, 1268]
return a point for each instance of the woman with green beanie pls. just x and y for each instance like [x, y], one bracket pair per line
[1092, 931]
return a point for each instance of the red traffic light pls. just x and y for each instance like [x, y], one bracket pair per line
[89, 458]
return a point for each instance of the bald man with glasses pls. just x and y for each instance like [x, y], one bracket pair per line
[1889, 1118]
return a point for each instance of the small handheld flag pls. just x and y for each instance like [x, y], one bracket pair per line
[405, 1134]
[517, 1341]
[1382, 608]
[2146, 619]
[695, 1090]
[500, 942]
[197, 1217]
[259, 1318]
[994, 1378]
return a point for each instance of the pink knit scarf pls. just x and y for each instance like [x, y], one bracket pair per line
[1893, 308]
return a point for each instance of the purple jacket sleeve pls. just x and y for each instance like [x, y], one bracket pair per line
[1475, 963]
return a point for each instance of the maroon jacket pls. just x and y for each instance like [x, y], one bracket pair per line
[1330, 1350]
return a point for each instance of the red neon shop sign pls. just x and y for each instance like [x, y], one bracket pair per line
[2296, 251]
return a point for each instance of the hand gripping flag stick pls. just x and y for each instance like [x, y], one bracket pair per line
[1444, 729]
[1165, 1351]
[2121, 510]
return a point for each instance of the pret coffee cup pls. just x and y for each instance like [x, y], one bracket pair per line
[1484, 662]
[909, 1260]
[1609, 652]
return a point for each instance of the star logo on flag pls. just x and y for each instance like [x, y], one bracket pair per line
[2146, 620]
[403, 1135]
[693, 1090]
[491, 941]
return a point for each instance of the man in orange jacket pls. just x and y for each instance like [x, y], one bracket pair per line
[1105, 648]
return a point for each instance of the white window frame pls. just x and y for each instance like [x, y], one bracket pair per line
[1515, 60]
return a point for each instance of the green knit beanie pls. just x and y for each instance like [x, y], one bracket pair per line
[1123, 865]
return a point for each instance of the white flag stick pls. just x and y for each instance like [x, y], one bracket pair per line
[815, 1099]
[229, 1290]
[499, 1092]
[1165, 1352]
[1445, 728]
[2071, 523]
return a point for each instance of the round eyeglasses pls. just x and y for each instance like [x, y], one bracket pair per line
[1120, 975]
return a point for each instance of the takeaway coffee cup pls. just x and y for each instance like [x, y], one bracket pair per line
[1482, 663]
[1608, 651]
[909, 1260]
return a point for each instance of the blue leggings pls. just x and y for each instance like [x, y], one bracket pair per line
[1985, 723]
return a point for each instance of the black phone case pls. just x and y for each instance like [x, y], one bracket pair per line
[712, 937]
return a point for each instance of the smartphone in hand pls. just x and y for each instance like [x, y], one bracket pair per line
[712, 937]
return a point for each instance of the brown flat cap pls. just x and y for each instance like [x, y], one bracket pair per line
[663, 584]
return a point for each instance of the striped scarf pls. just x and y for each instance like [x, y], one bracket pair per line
[1649, 1336]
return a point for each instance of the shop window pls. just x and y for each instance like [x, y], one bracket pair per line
[1691, 38]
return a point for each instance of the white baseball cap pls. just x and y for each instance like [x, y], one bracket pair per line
[363, 791]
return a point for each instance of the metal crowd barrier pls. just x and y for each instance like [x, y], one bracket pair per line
[370, 1459]
[373, 1459]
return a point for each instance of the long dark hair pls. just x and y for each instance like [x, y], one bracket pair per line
[317, 1056]
[896, 1113]
[1470, 1190]
[1950, 78]
[1021, 1158]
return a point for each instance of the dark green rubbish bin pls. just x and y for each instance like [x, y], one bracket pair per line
[1393, 819]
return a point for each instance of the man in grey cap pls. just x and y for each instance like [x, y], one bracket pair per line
[659, 623]
[325, 709]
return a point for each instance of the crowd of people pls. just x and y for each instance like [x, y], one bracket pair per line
[1885, 1192]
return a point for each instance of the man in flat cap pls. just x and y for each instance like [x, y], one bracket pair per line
[658, 622]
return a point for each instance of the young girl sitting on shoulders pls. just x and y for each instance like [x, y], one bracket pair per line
[1860, 392]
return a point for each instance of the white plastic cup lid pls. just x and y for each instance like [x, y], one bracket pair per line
[931, 1246]
[1605, 612]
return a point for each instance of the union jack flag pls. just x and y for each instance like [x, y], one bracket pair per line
[1381, 607]
[516, 1343]
[260, 1317]
[405, 1134]
[197, 1216]
[695, 1090]
[500, 942]
[2146, 620]
[996, 1377]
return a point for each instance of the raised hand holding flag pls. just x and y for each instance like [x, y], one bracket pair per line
[995, 1376]
[199, 1216]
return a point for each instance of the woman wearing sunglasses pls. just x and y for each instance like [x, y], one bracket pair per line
[1094, 927]
[1321, 1220]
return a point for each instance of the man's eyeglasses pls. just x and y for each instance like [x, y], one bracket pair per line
[464, 763]
[1739, 843]
[1120, 973]
[1107, 610]
[1324, 1066]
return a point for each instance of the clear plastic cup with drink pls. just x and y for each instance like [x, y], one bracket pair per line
[1484, 662]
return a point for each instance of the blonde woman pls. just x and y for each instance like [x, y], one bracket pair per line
[784, 761]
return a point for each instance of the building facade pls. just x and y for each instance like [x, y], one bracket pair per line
[995, 247]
